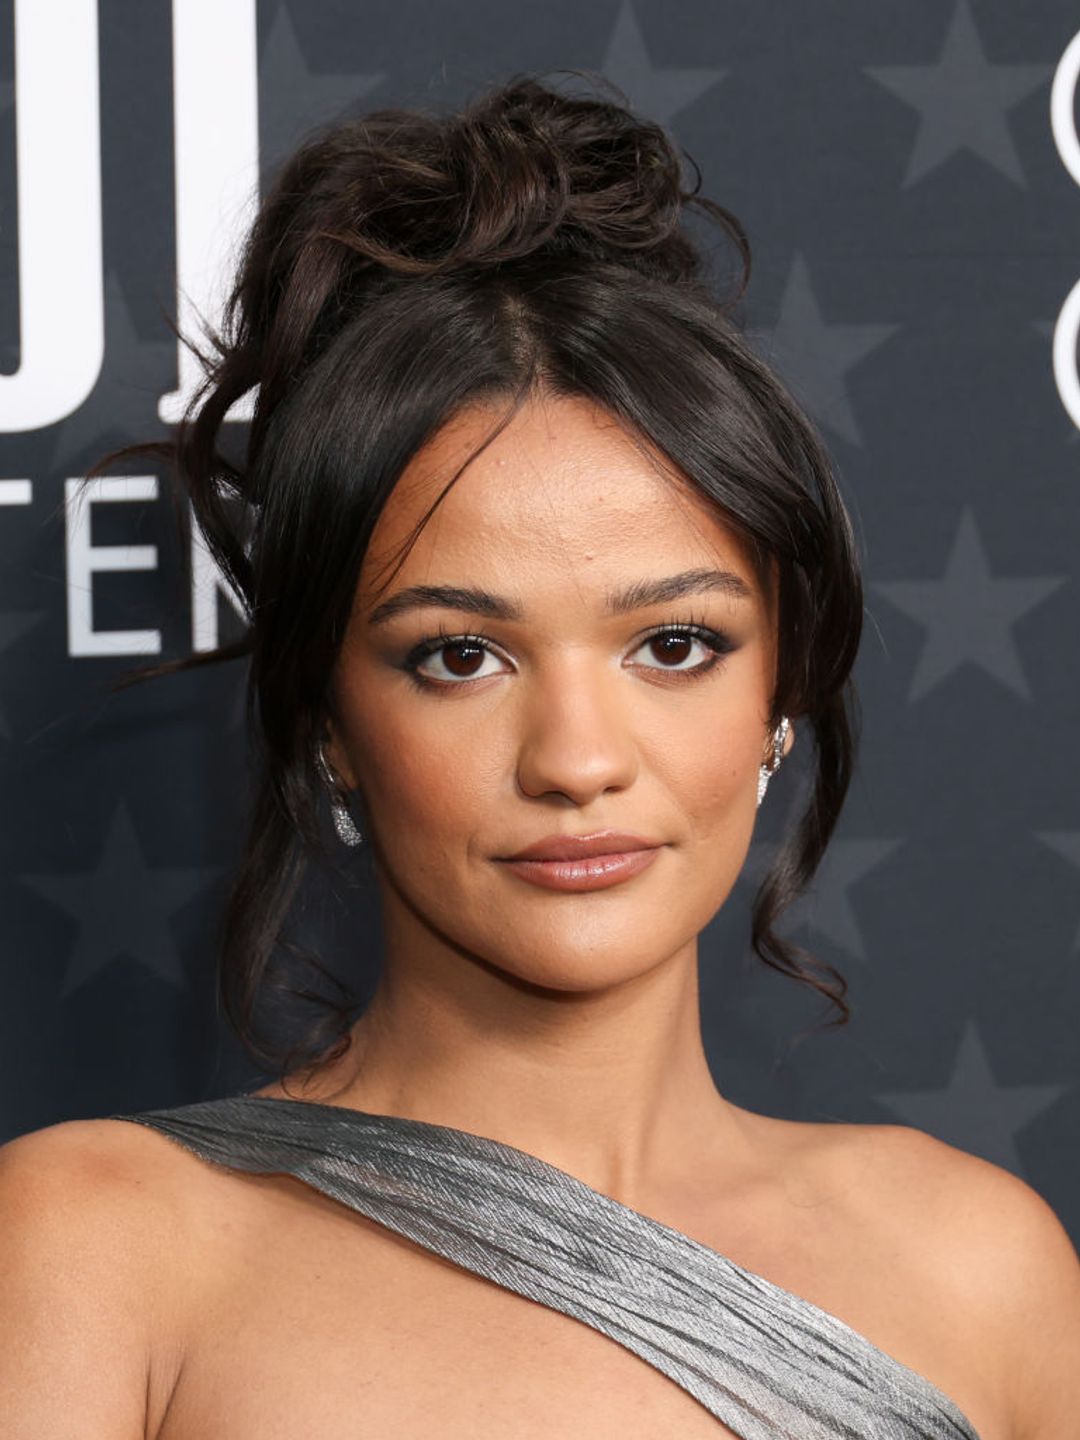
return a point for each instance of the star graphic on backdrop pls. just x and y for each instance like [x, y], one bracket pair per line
[13, 626]
[121, 406]
[123, 907]
[657, 92]
[826, 908]
[968, 614]
[294, 99]
[1065, 843]
[815, 355]
[962, 100]
[973, 1111]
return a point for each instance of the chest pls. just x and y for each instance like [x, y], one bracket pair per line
[402, 1347]
[305, 1318]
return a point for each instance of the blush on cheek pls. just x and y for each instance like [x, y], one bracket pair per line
[423, 795]
[721, 809]
[716, 785]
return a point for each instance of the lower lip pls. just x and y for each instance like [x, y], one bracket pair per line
[595, 873]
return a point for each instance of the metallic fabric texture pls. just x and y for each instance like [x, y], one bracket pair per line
[768, 1364]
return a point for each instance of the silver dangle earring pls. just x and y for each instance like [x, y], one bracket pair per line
[766, 772]
[343, 821]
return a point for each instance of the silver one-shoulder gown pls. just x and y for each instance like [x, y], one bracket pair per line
[768, 1364]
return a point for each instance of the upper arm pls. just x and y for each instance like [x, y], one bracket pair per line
[76, 1241]
[1009, 1265]
[1039, 1311]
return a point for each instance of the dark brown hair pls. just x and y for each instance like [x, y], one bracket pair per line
[404, 265]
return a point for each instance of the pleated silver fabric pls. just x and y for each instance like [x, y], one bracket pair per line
[768, 1364]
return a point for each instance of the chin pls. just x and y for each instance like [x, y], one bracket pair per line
[577, 963]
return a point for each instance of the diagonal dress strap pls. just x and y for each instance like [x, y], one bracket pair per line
[768, 1364]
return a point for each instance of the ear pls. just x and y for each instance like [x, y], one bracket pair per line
[789, 741]
[337, 757]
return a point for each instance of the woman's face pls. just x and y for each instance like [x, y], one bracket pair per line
[566, 714]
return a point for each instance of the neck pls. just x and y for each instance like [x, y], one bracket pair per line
[610, 1085]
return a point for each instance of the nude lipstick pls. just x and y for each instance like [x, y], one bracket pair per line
[583, 862]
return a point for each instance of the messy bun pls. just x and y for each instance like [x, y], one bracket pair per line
[403, 265]
[523, 176]
[520, 171]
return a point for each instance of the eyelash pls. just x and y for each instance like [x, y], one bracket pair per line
[715, 640]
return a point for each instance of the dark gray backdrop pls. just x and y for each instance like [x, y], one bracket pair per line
[915, 223]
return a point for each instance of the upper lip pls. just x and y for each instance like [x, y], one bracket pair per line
[582, 847]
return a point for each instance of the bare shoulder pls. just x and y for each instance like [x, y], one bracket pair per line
[114, 1174]
[108, 1193]
[80, 1171]
[1000, 1252]
[91, 1265]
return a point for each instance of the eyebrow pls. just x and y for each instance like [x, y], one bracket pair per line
[632, 597]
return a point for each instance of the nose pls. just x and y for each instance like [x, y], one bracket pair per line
[577, 737]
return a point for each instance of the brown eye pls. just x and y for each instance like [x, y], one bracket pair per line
[672, 648]
[462, 658]
[676, 645]
[448, 660]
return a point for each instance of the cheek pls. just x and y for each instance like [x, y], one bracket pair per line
[711, 767]
[421, 781]
[712, 779]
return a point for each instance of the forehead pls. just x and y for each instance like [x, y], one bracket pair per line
[561, 494]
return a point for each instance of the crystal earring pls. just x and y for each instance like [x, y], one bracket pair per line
[343, 821]
[766, 772]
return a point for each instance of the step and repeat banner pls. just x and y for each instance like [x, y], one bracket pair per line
[909, 175]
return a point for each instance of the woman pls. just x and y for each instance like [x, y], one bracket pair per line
[546, 575]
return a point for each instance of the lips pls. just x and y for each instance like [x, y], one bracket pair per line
[583, 847]
[583, 862]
